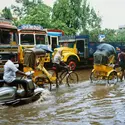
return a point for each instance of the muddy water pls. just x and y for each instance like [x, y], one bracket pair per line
[81, 104]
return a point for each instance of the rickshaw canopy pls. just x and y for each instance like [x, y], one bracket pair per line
[44, 47]
[104, 53]
[30, 56]
[107, 48]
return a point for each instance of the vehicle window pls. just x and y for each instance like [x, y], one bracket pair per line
[80, 45]
[67, 44]
[27, 39]
[7, 36]
[40, 39]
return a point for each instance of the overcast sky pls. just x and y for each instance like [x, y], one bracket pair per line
[111, 11]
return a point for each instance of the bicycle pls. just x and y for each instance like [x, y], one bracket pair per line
[41, 75]
[66, 76]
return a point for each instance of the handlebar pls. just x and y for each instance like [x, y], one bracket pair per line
[67, 67]
[29, 75]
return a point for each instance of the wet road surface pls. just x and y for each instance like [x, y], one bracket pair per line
[81, 104]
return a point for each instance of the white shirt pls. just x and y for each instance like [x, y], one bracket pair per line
[57, 58]
[10, 70]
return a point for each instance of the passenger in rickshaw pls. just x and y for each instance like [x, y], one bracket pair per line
[58, 63]
[10, 71]
[121, 62]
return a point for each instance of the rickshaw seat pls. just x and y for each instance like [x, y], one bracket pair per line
[104, 68]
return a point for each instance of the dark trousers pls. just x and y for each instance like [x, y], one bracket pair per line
[59, 68]
[17, 82]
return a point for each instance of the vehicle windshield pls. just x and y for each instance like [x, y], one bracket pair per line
[8, 36]
[67, 44]
[40, 39]
[27, 39]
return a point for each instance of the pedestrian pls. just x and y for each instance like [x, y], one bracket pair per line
[121, 60]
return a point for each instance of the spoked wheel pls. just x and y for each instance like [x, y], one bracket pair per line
[62, 78]
[72, 77]
[53, 78]
[113, 78]
[93, 77]
[41, 81]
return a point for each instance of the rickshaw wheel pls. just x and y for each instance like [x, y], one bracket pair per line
[41, 81]
[113, 78]
[93, 77]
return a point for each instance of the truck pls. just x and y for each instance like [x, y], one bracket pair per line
[78, 50]
[8, 41]
[53, 37]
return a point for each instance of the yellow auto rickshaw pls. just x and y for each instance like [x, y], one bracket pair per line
[104, 65]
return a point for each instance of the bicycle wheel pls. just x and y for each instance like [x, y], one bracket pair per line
[52, 72]
[93, 77]
[62, 78]
[113, 78]
[71, 77]
[55, 81]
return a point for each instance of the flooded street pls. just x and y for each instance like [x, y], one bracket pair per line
[81, 104]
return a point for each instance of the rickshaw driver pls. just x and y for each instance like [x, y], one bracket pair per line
[10, 71]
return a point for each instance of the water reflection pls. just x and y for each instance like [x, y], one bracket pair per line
[81, 104]
[101, 91]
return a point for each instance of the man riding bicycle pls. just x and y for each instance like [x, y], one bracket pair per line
[58, 63]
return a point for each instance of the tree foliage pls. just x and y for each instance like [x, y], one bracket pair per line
[33, 13]
[76, 15]
[71, 16]
[6, 13]
[111, 35]
[40, 14]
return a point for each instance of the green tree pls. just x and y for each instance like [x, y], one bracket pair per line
[110, 35]
[76, 15]
[65, 13]
[6, 13]
[24, 7]
[120, 35]
[40, 14]
[32, 12]
[89, 19]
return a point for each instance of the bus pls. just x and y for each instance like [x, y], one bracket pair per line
[33, 35]
[8, 41]
[30, 36]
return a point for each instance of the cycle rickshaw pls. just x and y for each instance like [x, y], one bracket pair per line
[104, 65]
[34, 59]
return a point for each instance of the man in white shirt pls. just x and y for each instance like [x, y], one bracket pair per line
[57, 62]
[10, 71]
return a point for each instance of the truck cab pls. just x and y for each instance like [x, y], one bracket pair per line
[74, 49]
[30, 36]
[53, 37]
[8, 41]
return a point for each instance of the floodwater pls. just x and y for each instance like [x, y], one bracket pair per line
[81, 104]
